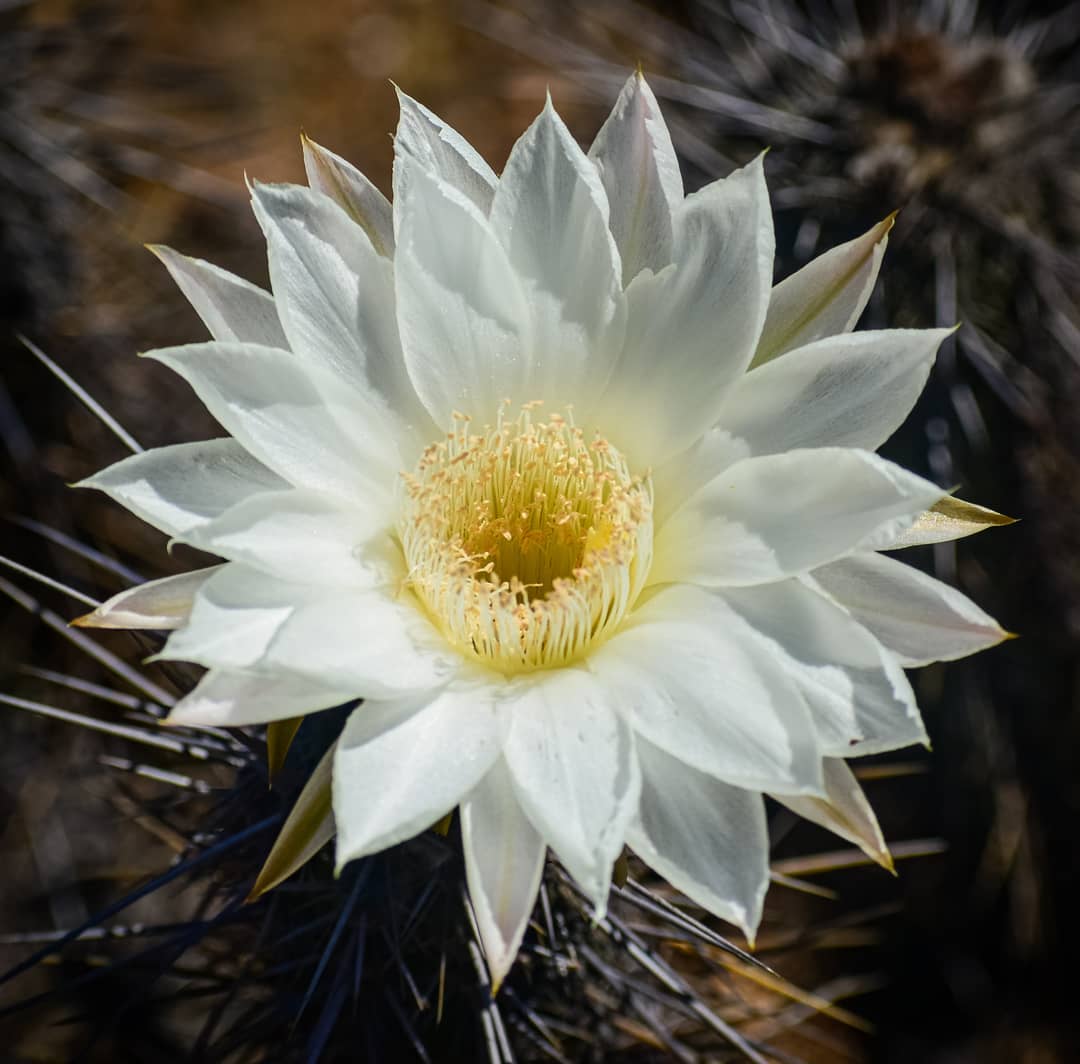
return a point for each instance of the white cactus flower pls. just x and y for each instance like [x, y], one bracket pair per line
[543, 469]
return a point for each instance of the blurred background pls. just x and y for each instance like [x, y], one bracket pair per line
[127, 123]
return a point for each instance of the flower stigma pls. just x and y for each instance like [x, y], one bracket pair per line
[525, 542]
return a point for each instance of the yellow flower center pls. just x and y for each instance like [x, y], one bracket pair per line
[526, 542]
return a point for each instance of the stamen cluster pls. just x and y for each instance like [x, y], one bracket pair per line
[525, 542]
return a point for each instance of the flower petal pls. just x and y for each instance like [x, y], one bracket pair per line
[304, 535]
[335, 296]
[365, 642]
[233, 620]
[226, 699]
[575, 773]
[551, 214]
[859, 699]
[826, 297]
[948, 519]
[429, 141]
[307, 425]
[845, 811]
[280, 735]
[504, 860]
[692, 327]
[353, 192]
[682, 476]
[640, 172]
[706, 838]
[234, 310]
[739, 529]
[461, 310]
[918, 618]
[180, 487]
[161, 604]
[307, 829]
[846, 391]
[693, 679]
[402, 765]
[368, 640]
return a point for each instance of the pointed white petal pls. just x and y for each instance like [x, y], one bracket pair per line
[504, 860]
[826, 297]
[333, 176]
[693, 679]
[461, 310]
[303, 535]
[706, 838]
[845, 811]
[859, 699]
[918, 618]
[355, 640]
[161, 604]
[846, 391]
[425, 138]
[575, 773]
[779, 515]
[372, 641]
[946, 520]
[180, 487]
[692, 327]
[231, 308]
[233, 620]
[234, 699]
[335, 296]
[551, 214]
[637, 164]
[402, 765]
[307, 425]
[682, 476]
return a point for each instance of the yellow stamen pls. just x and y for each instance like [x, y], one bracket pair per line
[526, 543]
